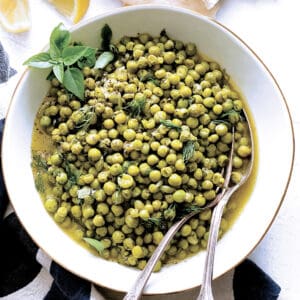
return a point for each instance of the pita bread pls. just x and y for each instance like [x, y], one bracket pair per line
[205, 7]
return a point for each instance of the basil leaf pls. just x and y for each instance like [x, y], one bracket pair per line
[106, 35]
[59, 39]
[72, 54]
[89, 58]
[103, 60]
[98, 245]
[58, 71]
[40, 60]
[74, 82]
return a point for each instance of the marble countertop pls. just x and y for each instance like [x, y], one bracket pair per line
[272, 29]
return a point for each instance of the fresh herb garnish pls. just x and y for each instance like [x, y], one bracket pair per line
[106, 35]
[104, 59]
[73, 174]
[150, 223]
[149, 77]
[135, 107]
[109, 51]
[98, 245]
[229, 117]
[39, 163]
[87, 117]
[188, 150]
[61, 56]
[39, 183]
[170, 124]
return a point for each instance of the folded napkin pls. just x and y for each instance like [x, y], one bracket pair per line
[26, 272]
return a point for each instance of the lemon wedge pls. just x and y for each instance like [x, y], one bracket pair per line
[15, 15]
[73, 9]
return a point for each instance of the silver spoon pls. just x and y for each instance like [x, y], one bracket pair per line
[136, 290]
[206, 288]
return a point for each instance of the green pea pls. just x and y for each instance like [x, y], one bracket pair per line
[125, 181]
[109, 188]
[169, 57]
[137, 251]
[98, 220]
[179, 196]
[118, 237]
[51, 205]
[116, 169]
[175, 180]
[186, 230]
[244, 151]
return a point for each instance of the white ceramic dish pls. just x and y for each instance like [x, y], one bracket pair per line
[275, 140]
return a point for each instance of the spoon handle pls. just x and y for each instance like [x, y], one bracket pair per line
[206, 288]
[137, 289]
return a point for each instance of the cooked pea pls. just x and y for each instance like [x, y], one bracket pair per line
[125, 181]
[51, 205]
[98, 220]
[61, 178]
[116, 169]
[175, 180]
[244, 151]
[109, 187]
[179, 196]
[186, 230]
[154, 175]
[221, 129]
[94, 154]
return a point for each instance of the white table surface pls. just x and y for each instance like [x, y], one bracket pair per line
[272, 29]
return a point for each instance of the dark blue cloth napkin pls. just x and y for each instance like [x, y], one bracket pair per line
[5, 70]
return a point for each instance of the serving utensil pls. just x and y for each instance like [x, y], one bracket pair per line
[219, 203]
[227, 192]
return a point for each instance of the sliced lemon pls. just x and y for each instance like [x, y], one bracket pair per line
[73, 9]
[15, 15]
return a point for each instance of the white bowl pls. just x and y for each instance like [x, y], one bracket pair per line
[274, 135]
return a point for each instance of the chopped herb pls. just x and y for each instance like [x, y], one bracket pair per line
[163, 33]
[39, 183]
[39, 162]
[149, 77]
[135, 107]
[109, 51]
[170, 124]
[188, 150]
[87, 117]
[104, 59]
[98, 245]
[106, 35]
[229, 117]
[73, 174]
[150, 223]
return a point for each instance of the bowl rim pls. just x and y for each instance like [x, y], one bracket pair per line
[116, 11]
